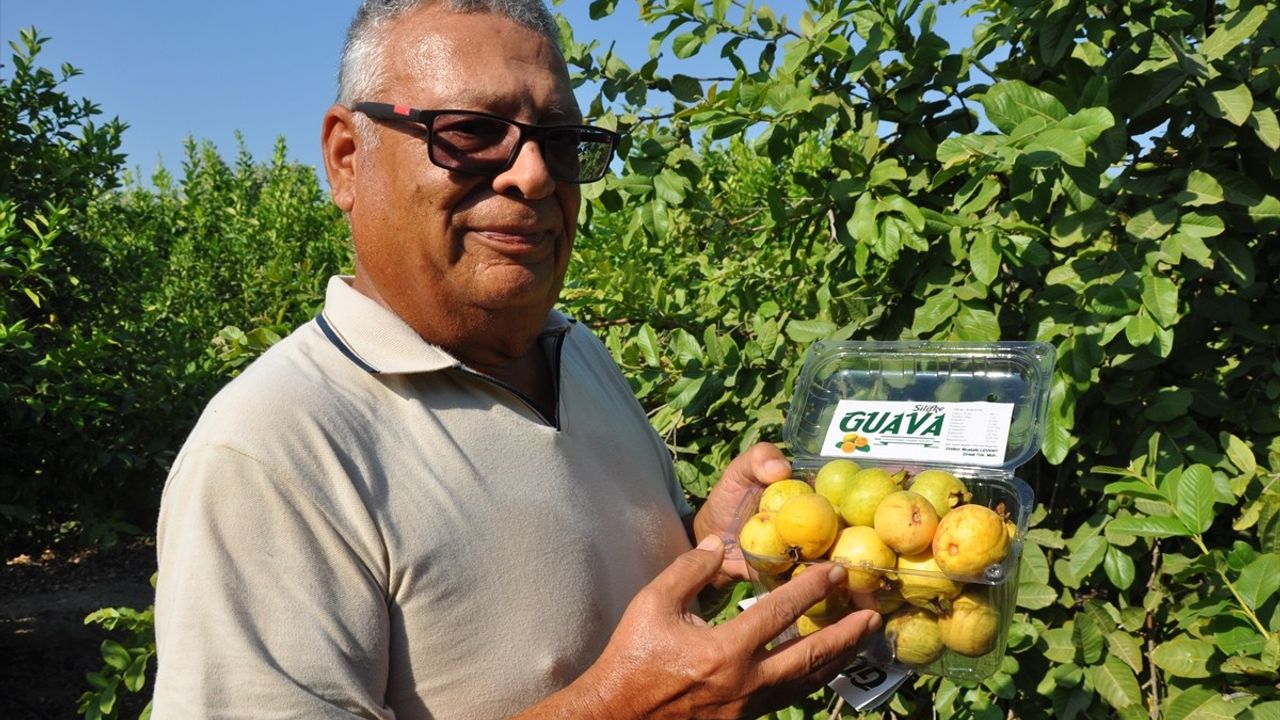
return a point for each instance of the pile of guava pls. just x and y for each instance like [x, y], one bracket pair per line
[915, 546]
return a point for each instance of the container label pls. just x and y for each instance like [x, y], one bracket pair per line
[971, 433]
[865, 685]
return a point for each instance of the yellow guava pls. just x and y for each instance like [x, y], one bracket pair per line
[969, 539]
[866, 558]
[832, 607]
[761, 546]
[866, 489]
[905, 521]
[972, 625]
[922, 583]
[835, 479]
[807, 524]
[943, 490]
[806, 625]
[914, 635]
[888, 601]
[776, 494]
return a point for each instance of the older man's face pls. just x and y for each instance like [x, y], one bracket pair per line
[467, 261]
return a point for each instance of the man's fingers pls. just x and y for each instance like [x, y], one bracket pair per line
[689, 573]
[820, 655]
[762, 463]
[774, 612]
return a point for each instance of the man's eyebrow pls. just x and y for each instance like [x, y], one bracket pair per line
[555, 110]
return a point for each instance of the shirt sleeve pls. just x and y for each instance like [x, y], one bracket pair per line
[268, 605]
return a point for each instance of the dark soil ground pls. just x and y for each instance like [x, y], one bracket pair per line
[45, 647]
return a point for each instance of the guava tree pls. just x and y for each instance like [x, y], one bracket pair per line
[1100, 175]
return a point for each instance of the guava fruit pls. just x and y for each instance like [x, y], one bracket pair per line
[866, 489]
[778, 493]
[921, 582]
[807, 524]
[972, 625]
[865, 556]
[970, 538]
[806, 625]
[832, 607]
[835, 479]
[761, 546]
[914, 635]
[943, 490]
[888, 601]
[905, 521]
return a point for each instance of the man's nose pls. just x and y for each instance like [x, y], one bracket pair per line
[528, 175]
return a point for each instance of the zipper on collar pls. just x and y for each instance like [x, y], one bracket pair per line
[556, 350]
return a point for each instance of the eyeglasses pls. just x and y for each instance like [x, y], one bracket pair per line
[478, 143]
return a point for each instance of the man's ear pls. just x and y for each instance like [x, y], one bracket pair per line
[338, 144]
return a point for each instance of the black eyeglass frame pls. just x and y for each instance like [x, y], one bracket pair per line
[389, 111]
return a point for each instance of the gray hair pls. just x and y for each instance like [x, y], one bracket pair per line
[362, 68]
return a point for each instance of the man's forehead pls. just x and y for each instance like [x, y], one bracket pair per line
[480, 61]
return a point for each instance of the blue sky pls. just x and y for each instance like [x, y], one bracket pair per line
[173, 69]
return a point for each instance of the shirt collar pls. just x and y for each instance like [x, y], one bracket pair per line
[378, 341]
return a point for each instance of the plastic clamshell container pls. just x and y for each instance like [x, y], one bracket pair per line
[976, 410]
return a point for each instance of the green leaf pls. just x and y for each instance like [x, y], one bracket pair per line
[1160, 297]
[1088, 636]
[1034, 596]
[935, 310]
[1264, 124]
[136, 675]
[1233, 104]
[1140, 330]
[686, 45]
[1153, 222]
[1259, 580]
[1203, 189]
[1089, 123]
[647, 340]
[1183, 656]
[686, 88]
[1119, 568]
[1240, 27]
[1263, 711]
[1200, 703]
[1116, 683]
[115, 655]
[1126, 647]
[1067, 145]
[984, 259]
[805, 331]
[684, 391]
[1009, 103]
[1239, 454]
[1060, 644]
[976, 321]
[670, 186]
[1194, 501]
[1150, 526]
[1086, 556]
[1266, 213]
[1199, 225]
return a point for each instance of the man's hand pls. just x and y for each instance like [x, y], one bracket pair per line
[665, 662]
[761, 464]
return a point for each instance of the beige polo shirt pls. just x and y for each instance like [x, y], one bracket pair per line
[359, 526]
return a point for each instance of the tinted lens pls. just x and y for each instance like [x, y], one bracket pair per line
[577, 154]
[481, 144]
[472, 143]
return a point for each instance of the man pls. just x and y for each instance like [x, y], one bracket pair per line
[439, 499]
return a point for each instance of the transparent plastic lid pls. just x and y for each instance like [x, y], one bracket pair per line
[947, 403]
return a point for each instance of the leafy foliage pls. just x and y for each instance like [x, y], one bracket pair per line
[1099, 175]
[120, 307]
